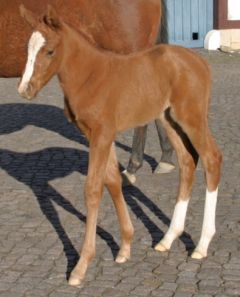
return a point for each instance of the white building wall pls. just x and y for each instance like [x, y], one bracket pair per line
[230, 38]
[233, 10]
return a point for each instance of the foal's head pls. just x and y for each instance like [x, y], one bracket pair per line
[44, 51]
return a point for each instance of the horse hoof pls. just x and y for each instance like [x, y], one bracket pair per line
[197, 255]
[160, 248]
[121, 259]
[128, 178]
[74, 281]
[164, 167]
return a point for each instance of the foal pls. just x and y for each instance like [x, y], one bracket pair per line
[111, 93]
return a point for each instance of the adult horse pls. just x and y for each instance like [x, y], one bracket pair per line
[122, 26]
[167, 82]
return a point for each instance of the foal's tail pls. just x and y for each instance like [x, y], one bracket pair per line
[163, 31]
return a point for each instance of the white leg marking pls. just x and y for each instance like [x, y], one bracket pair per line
[36, 42]
[176, 226]
[208, 228]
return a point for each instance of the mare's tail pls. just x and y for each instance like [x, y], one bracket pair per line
[163, 32]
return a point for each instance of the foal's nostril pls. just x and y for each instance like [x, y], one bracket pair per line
[26, 90]
[29, 88]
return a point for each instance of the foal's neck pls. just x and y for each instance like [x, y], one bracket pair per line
[81, 60]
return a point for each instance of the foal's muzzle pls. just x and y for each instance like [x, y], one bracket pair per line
[27, 91]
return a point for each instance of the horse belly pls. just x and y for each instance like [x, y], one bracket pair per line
[139, 109]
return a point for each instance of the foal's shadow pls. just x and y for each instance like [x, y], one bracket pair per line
[37, 169]
[133, 195]
[14, 117]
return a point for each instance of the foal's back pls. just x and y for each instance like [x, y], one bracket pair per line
[158, 78]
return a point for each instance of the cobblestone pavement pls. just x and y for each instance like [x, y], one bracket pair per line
[43, 162]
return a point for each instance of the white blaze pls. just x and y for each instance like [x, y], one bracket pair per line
[36, 42]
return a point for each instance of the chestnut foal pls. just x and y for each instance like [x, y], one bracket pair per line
[112, 93]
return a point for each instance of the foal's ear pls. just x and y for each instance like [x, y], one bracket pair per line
[51, 18]
[28, 16]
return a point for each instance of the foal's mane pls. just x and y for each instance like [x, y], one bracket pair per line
[83, 31]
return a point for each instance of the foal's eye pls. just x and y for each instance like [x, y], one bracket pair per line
[50, 53]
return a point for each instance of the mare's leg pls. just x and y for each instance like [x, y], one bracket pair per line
[165, 165]
[113, 182]
[187, 160]
[100, 145]
[136, 159]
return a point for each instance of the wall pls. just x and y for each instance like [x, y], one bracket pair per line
[227, 20]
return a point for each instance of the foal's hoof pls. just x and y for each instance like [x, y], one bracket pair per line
[121, 259]
[164, 167]
[160, 248]
[197, 255]
[123, 255]
[128, 178]
[74, 280]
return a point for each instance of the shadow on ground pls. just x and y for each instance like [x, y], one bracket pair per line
[37, 169]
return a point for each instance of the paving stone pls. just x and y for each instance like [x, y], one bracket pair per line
[161, 293]
[209, 273]
[209, 286]
[60, 294]
[182, 294]
[187, 288]
[193, 267]
[202, 295]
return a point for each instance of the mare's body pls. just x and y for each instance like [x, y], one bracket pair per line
[167, 82]
[121, 26]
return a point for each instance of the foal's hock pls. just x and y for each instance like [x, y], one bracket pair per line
[107, 93]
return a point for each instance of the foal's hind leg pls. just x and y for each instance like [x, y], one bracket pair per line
[187, 160]
[212, 159]
[202, 140]
[113, 182]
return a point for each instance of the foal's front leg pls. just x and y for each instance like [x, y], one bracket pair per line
[100, 145]
[113, 182]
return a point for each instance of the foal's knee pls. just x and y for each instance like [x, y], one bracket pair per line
[213, 168]
[92, 196]
[187, 165]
